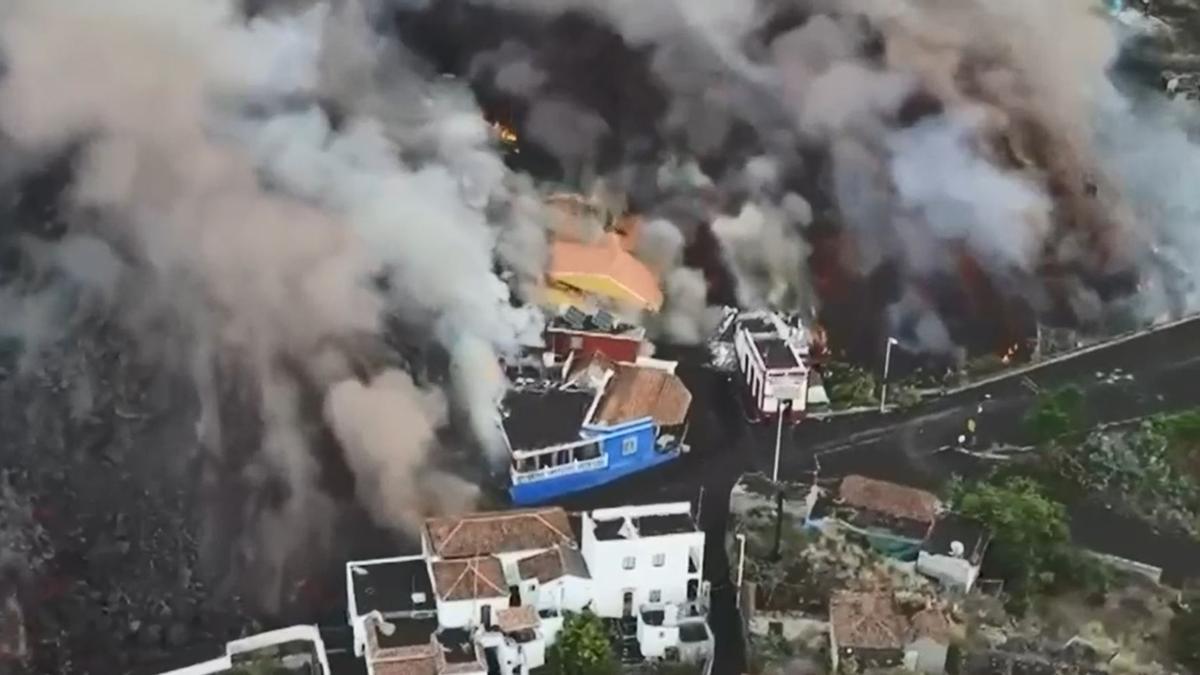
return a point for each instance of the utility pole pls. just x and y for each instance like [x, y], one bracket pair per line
[783, 410]
[887, 365]
[741, 565]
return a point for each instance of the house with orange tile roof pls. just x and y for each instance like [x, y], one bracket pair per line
[592, 265]
[874, 631]
[602, 274]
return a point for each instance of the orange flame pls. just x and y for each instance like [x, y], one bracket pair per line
[1010, 353]
[505, 133]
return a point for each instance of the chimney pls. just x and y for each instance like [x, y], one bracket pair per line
[629, 529]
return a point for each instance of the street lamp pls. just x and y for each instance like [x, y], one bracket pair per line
[887, 364]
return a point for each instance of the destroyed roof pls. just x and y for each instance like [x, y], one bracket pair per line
[867, 621]
[776, 354]
[498, 532]
[636, 392]
[469, 579]
[404, 633]
[871, 620]
[574, 319]
[632, 282]
[540, 418]
[889, 498]
[952, 527]
[553, 564]
[392, 586]
[654, 525]
[517, 618]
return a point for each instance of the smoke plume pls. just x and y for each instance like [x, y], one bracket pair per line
[250, 238]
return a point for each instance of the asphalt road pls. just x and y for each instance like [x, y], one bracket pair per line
[1151, 373]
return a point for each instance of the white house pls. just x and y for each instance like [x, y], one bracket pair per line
[771, 356]
[504, 580]
[642, 555]
[953, 551]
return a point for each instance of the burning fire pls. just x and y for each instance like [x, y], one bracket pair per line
[1010, 353]
[819, 340]
[505, 133]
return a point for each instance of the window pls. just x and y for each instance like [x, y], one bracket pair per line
[629, 445]
[660, 559]
[629, 562]
[655, 596]
[576, 342]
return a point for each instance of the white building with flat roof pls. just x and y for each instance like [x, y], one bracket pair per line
[505, 579]
[641, 555]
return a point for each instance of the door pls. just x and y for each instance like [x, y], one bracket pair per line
[627, 603]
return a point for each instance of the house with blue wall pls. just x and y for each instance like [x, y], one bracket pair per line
[598, 423]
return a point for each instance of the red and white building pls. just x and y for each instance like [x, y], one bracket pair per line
[772, 359]
[573, 331]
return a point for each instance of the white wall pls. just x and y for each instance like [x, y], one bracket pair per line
[954, 572]
[565, 593]
[930, 656]
[465, 613]
[654, 640]
[610, 579]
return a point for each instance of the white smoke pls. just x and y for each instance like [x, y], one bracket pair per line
[274, 241]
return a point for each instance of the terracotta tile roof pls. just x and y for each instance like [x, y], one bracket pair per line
[866, 621]
[498, 532]
[426, 665]
[607, 258]
[553, 564]
[636, 392]
[931, 623]
[889, 498]
[469, 579]
[517, 618]
[873, 621]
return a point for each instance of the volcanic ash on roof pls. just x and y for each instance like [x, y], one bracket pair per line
[541, 418]
[389, 586]
[776, 354]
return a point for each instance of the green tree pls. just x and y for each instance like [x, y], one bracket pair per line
[849, 386]
[582, 648]
[1029, 530]
[1055, 414]
[1184, 639]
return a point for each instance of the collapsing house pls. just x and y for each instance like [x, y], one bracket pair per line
[591, 421]
[872, 630]
[489, 592]
[771, 354]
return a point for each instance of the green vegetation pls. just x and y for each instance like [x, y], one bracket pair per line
[1184, 640]
[1029, 530]
[766, 652]
[582, 648]
[1057, 414]
[1140, 464]
[849, 386]
[984, 365]
[903, 395]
